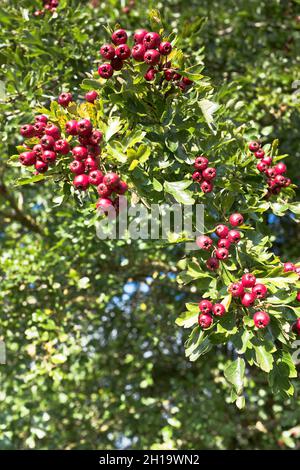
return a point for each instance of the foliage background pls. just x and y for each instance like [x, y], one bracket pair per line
[93, 359]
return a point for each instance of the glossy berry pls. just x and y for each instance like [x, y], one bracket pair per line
[27, 158]
[248, 299]
[260, 153]
[288, 267]
[105, 71]
[248, 280]
[81, 182]
[262, 167]
[62, 146]
[261, 319]
[224, 243]
[204, 242]
[91, 163]
[95, 177]
[64, 99]
[41, 118]
[187, 81]
[280, 180]
[207, 186]
[222, 230]
[77, 167]
[123, 52]
[205, 306]
[84, 127]
[222, 253]
[117, 64]
[138, 52]
[38, 149]
[271, 173]
[150, 74]
[236, 289]
[139, 36]
[91, 96]
[267, 160]
[95, 137]
[169, 74]
[39, 129]
[103, 190]
[280, 168]
[212, 264]
[260, 291]
[80, 153]
[151, 40]
[234, 236]
[107, 51]
[296, 327]
[219, 310]
[165, 48]
[105, 205]
[47, 142]
[71, 127]
[236, 219]
[205, 320]
[254, 146]
[122, 188]
[111, 180]
[52, 130]
[27, 131]
[201, 163]
[119, 37]
[94, 150]
[41, 167]
[209, 173]
[151, 57]
[49, 156]
[197, 176]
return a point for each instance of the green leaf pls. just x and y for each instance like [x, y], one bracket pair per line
[178, 189]
[264, 358]
[234, 374]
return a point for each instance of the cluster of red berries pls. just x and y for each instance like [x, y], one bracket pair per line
[204, 174]
[226, 238]
[291, 267]
[274, 173]
[85, 153]
[148, 48]
[248, 281]
[207, 308]
[48, 5]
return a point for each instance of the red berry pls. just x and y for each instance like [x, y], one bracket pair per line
[119, 37]
[234, 236]
[27, 158]
[107, 51]
[296, 326]
[103, 190]
[80, 153]
[81, 182]
[267, 160]
[151, 57]
[187, 81]
[254, 146]
[95, 177]
[122, 187]
[248, 280]
[123, 52]
[222, 230]
[91, 96]
[261, 319]
[64, 99]
[117, 64]
[169, 74]
[71, 127]
[248, 299]
[204, 242]
[212, 264]
[95, 137]
[280, 168]
[207, 186]
[205, 320]
[38, 149]
[165, 48]
[219, 310]
[39, 129]
[209, 173]
[105, 205]
[260, 153]
[280, 180]
[77, 167]
[52, 130]
[84, 127]
[47, 142]
[287, 183]
[111, 180]
[271, 173]
[236, 289]
[150, 74]
[27, 131]
[91, 163]
[236, 219]
[41, 167]
[94, 150]
[139, 36]
[262, 167]
[205, 306]
[105, 71]
[197, 176]
[288, 267]
[49, 156]
[138, 52]
[151, 40]
[41, 118]
[201, 163]
[260, 291]
[224, 243]
[222, 253]
[62, 146]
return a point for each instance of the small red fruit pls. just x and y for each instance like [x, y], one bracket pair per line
[111, 180]
[197, 176]
[122, 188]
[222, 230]
[260, 291]
[77, 167]
[27, 131]
[139, 36]
[84, 127]
[204, 242]
[205, 320]
[123, 52]
[201, 163]
[262, 167]
[64, 99]
[212, 264]
[39, 129]
[105, 205]
[41, 118]
[52, 130]
[80, 153]
[81, 182]
[280, 168]
[205, 306]
[151, 40]
[224, 243]
[91, 163]
[296, 326]
[288, 267]
[248, 299]
[95, 177]
[219, 310]
[27, 158]
[236, 289]
[95, 137]
[207, 186]
[152, 57]
[103, 190]
[165, 48]
[107, 51]
[138, 52]
[38, 149]
[260, 153]
[254, 146]
[117, 64]
[71, 127]
[150, 74]
[119, 37]
[105, 71]
[49, 156]
[267, 160]
[62, 146]
[248, 280]
[236, 219]
[234, 236]
[280, 180]
[271, 173]
[41, 167]
[222, 253]
[261, 319]
[47, 142]
[91, 96]
[209, 173]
